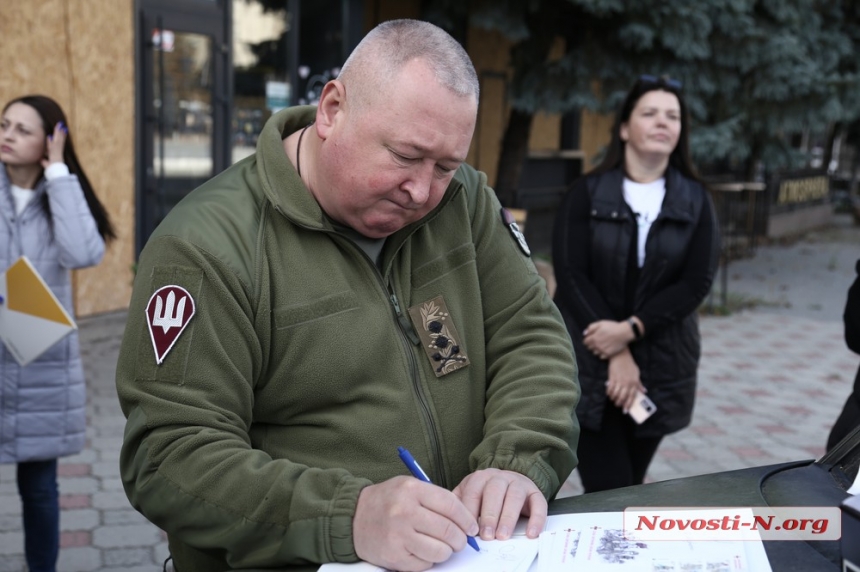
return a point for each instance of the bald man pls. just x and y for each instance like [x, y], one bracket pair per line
[351, 288]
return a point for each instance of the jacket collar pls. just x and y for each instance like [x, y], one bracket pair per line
[7, 202]
[677, 205]
[278, 178]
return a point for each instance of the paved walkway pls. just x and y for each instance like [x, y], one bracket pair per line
[773, 378]
[99, 529]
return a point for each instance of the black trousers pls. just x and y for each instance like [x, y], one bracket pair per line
[612, 457]
[850, 416]
[848, 420]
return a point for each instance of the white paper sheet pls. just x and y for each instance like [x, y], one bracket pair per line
[514, 555]
[31, 318]
[597, 542]
[356, 567]
[855, 486]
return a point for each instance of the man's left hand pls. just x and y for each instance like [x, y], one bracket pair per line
[498, 498]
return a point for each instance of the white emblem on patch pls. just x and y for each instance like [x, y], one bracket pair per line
[168, 312]
[515, 231]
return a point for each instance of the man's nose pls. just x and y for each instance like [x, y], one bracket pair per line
[418, 185]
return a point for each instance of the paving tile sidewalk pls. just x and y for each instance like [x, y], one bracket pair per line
[772, 381]
[99, 529]
[770, 388]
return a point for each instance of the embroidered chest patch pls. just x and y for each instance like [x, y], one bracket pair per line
[168, 312]
[438, 336]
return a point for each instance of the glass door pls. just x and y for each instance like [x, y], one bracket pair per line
[284, 51]
[264, 53]
[183, 103]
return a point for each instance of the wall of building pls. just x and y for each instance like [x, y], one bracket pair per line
[377, 11]
[81, 53]
[490, 52]
[595, 134]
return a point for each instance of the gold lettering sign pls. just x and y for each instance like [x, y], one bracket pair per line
[803, 190]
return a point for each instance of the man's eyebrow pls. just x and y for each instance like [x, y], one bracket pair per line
[424, 150]
[412, 146]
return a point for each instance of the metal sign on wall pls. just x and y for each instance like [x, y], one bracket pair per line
[799, 202]
[797, 189]
[793, 191]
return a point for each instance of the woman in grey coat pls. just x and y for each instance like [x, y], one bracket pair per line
[48, 213]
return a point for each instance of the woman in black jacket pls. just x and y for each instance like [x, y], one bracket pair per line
[635, 248]
[849, 419]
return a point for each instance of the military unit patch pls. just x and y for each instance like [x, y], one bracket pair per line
[438, 336]
[168, 312]
[515, 231]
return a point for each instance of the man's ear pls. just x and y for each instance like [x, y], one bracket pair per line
[330, 107]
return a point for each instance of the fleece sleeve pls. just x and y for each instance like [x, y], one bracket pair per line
[530, 426]
[187, 462]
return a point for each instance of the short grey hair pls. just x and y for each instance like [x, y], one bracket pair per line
[392, 44]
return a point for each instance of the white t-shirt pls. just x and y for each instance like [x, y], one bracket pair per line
[23, 196]
[645, 200]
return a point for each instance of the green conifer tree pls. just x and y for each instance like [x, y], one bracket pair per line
[755, 72]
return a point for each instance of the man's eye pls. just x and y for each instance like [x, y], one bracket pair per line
[403, 158]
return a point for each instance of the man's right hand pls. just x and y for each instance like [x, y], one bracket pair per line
[408, 525]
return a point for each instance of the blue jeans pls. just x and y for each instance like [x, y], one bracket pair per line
[40, 499]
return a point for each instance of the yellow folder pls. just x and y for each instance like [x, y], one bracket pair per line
[31, 318]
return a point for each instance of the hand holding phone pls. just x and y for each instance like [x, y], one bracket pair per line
[642, 408]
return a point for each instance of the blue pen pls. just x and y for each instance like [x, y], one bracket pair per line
[419, 474]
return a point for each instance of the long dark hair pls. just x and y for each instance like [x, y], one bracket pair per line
[680, 157]
[51, 114]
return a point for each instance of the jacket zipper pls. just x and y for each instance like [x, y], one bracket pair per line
[408, 334]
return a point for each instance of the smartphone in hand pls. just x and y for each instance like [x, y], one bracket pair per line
[642, 408]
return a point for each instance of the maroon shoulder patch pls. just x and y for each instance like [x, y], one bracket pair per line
[168, 312]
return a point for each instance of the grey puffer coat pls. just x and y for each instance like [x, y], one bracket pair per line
[42, 405]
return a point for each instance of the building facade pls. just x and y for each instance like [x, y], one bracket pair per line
[163, 94]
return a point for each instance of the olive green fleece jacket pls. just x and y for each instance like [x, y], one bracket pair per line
[301, 370]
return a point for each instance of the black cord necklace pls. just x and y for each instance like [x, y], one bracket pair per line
[299, 151]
